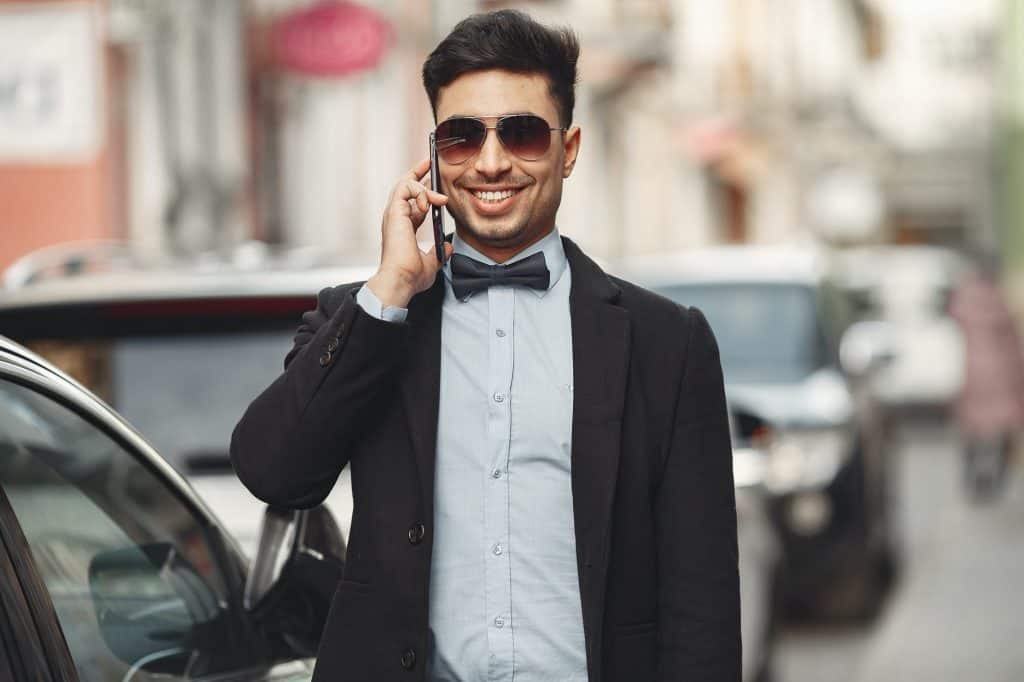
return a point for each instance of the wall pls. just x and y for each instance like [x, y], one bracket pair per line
[46, 200]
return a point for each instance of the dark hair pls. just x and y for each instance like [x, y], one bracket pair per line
[509, 40]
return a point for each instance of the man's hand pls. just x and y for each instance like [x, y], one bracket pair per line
[405, 270]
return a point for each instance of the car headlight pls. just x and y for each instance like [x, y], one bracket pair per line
[801, 459]
[749, 466]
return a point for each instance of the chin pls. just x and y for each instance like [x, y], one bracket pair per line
[494, 235]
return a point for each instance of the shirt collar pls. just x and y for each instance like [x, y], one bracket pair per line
[550, 245]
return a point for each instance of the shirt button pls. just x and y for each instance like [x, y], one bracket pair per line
[408, 659]
[496, 473]
[500, 333]
[499, 622]
[497, 549]
[326, 359]
[499, 397]
[332, 345]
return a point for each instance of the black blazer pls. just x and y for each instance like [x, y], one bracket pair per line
[652, 485]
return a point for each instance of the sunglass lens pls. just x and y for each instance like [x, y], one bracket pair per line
[525, 136]
[459, 138]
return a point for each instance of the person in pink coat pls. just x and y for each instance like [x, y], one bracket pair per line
[990, 408]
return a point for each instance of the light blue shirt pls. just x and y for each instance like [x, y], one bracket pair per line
[504, 587]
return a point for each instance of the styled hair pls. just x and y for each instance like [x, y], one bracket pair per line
[512, 41]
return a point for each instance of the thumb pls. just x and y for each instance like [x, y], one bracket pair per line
[430, 262]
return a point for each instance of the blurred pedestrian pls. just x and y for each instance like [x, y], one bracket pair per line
[541, 467]
[990, 408]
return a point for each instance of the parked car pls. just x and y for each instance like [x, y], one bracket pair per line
[112, 568]
[179, 352]
[778, 319]
[909, 288]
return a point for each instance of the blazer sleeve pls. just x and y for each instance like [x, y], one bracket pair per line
[296, 436]
[695, 525]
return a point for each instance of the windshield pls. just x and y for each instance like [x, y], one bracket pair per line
[184, 392]
[766, 333]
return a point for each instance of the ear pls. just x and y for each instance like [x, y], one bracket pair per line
[571, 150]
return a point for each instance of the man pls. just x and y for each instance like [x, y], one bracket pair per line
[540, 457]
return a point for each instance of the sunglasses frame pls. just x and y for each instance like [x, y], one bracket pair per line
[483, 121]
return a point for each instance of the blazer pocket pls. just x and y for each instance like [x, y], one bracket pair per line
[634, 629]
[347, 585]
[633, 654]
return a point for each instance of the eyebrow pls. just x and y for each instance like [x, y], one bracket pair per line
[511, 113]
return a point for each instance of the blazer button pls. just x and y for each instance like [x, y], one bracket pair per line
[333, 344]
[408, 659]
[416, 533]
[326, 359]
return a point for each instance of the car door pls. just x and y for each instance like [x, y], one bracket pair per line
[132, 574]
[31, 648]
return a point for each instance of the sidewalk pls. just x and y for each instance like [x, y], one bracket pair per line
[959, 615]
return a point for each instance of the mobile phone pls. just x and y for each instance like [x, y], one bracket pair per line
[435, 211]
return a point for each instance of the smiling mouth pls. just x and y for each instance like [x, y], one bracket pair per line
[495, 197]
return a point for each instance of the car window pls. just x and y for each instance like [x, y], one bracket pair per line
[206, 380]
[130, 571]
[766, 332]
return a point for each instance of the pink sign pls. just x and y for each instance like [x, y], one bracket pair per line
[331, 39]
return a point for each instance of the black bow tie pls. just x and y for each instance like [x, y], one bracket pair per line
[470, 276]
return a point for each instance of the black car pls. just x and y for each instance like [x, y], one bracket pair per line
[111, 568]
[778, 321]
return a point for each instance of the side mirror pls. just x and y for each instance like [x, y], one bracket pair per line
[746, 426]
[299, 561]
[867, 346]
[152, 607]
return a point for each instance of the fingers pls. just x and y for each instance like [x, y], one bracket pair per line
[411, 200]
[420, 170]
[411, 189]
[418, 208]
[429, 258]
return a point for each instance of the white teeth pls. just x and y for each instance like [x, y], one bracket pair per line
[494, 196]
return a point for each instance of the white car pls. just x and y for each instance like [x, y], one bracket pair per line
[908, 288]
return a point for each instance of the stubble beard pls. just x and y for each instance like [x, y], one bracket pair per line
[497, 236]
[507, 236]
[510, 232]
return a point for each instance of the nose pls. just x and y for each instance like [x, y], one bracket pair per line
[493, 158]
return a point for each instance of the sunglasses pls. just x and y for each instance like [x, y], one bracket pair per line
[525, 135]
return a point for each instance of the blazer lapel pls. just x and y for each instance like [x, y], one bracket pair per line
[421, 385]
[600, 357]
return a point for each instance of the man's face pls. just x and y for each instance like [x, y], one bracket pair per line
[500, 229]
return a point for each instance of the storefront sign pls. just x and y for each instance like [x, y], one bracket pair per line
[331, 39]
[50, 82]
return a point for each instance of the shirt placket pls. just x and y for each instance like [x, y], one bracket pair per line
[498, 589]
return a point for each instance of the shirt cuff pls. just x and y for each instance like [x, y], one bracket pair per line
[372, 306]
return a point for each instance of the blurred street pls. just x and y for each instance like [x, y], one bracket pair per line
[834, 184]
[953, 616]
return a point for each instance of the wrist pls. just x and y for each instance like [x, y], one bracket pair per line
[391, 290]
